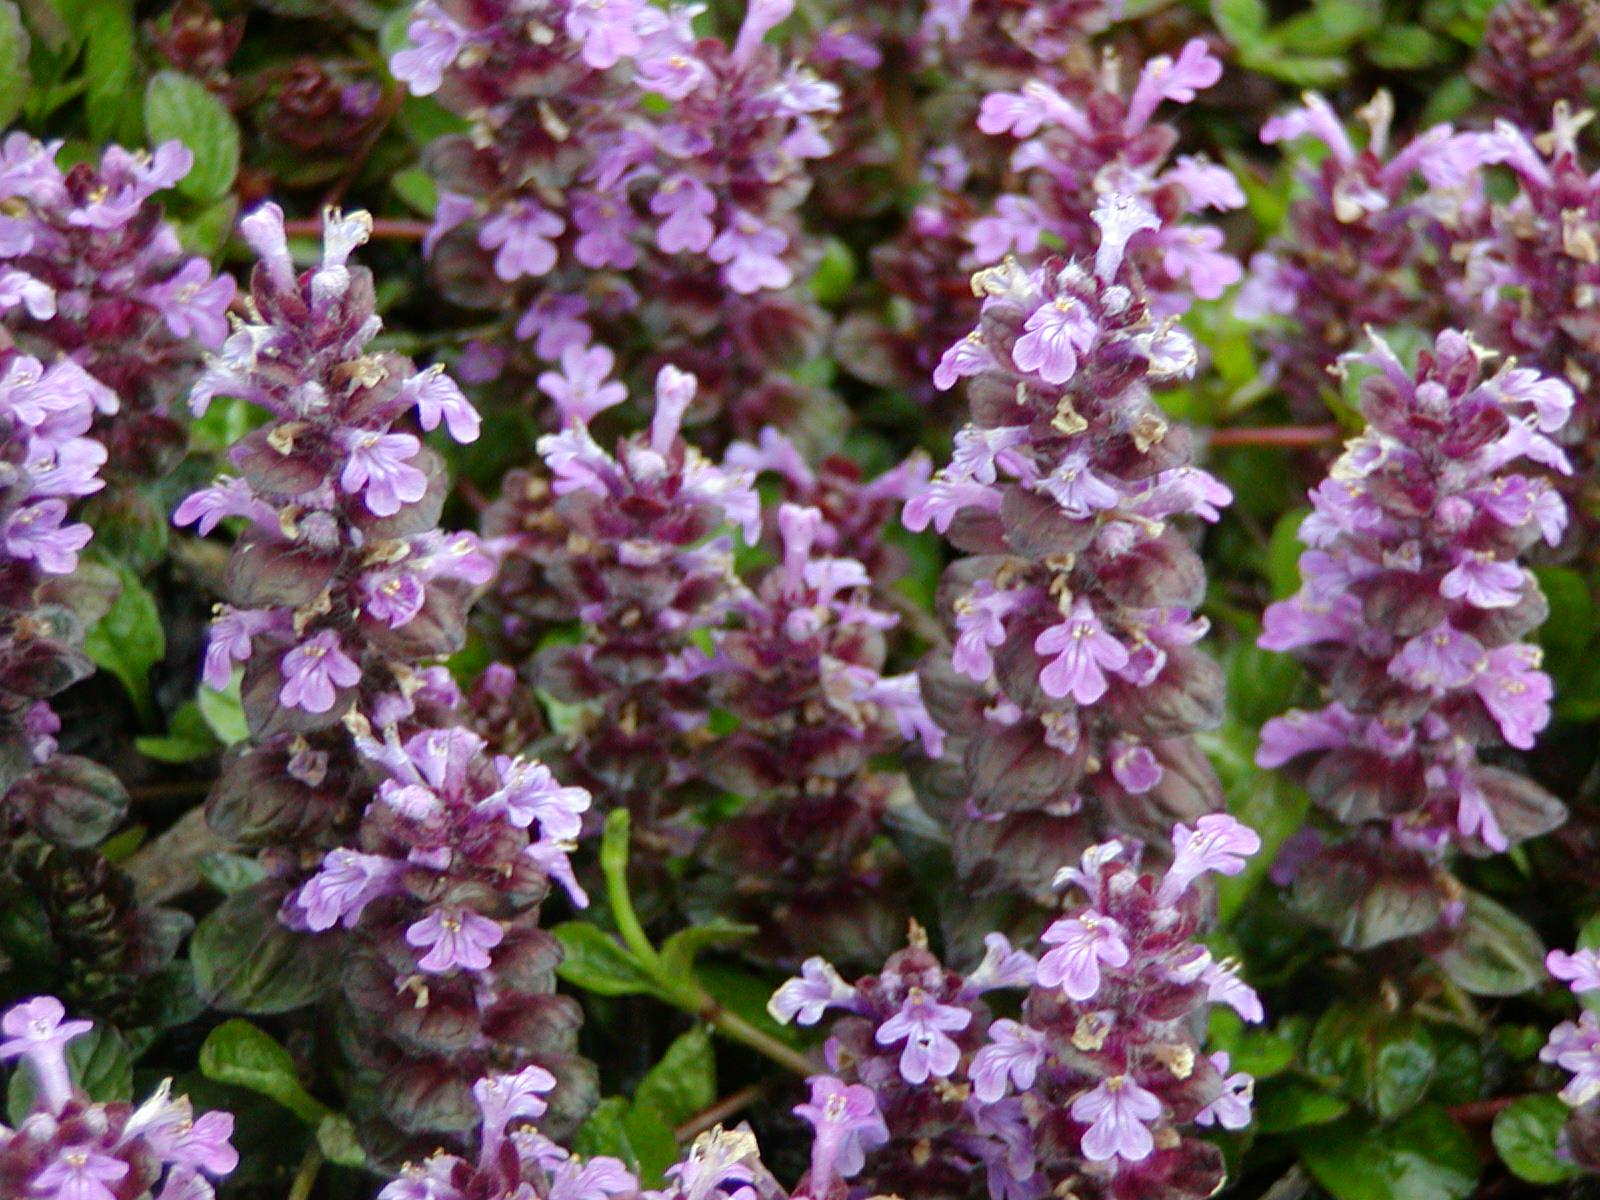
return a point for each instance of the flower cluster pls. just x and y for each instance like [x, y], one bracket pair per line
[516, 1162]
[594, 212]
[69, 1147]
[1079, 134]
[1411, 611]
[1088, 1094]
[628, 543]
[49, 461]
[1073, 683]
[1069, 154]
[56, 808]
[1574, 1046]
[340, 583]
[802, 667]
[446, 974]
[1533, 55]
[1353, 255]
[90, 270]
[1530, 265]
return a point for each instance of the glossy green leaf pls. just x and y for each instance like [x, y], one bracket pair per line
[179, 106]
[1525, 1136]
[15, 81]
[1423, 1156]
[239, 1053]
[129, 639]
[595, 961]
[684, 1082]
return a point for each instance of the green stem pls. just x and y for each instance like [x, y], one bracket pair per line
[736, 1028]
[306, 1177]
[614, 866]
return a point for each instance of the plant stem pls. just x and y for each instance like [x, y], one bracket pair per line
[723, 1109]
[305, 1178]
[614, 866]
[394, 229]
[736, 1028]
[1283, 436]
[1478, 1111]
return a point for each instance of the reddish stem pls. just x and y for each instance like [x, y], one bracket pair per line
[1478, 1111]
[1286, 436]
[390, 228]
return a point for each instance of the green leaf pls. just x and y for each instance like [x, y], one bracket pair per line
[98, 1062]
[1261, 1053]
[1287, 1104]
[229, 872]
[834, 274]
[178, 106]
[188, 737]
[684, 1082]
[1423, 1156]
[129, 640]
[417, 189]
[1407, 48]
[336, 1138]
[1492, 952]
[241, 1054]
[110, 63]
[1525, 1135]
[1296, 70]
[637, 1135]
[1283, 553]
[246, 961]
[679, 951]
[224, 711]
[595, 961]
[1384, 1061]
[14, 78]
[1330, 27]
[1242, 22]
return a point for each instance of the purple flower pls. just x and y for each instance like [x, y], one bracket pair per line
[35, 1030]
[522, 236]
[1082, 944]
[750, 250]
[607, 29]
[378, 468]
[80, 1173]
[1217, 843]
[232, 634]
[1012, 1058]
[347, 883]
[506, 1098]
[806, 997]
[846, 1124]
[924, 1023]
[455, 939]
[438, 398]
[1232, 1107]
[1117, 1111]
[434, 42]
[194, 303]
[687, 206]
[313, 670]
[1084, 651]
[583, 387]
[37, 533]
[1580, 969]
[1055, 336]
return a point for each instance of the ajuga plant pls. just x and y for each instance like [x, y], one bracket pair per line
[340, 588]
[57, 808]
[434, 907]
[585, 210]
[1355, 249]
[1533, 55]
[1073, 684]
[516, 1162]
[1096, 1091]
[90, 269]
[1529, 266]
[802, 669]
[628, 543]
[1079, 134]
[67, 1146]
[1574, 1047]
[1411, 613]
